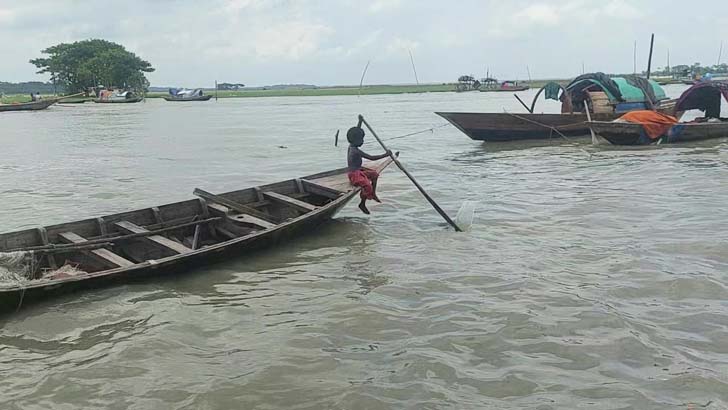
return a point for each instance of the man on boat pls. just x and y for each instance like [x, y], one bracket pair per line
[358, 175]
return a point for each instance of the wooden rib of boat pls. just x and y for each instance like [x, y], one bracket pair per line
[627, 133]
[29, 106]
[195, 98]
[119, 101]
[170, 238]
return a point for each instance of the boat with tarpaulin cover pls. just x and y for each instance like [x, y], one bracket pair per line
[118, 97]
[168, 238]
[606, 98]
[649, 127]
[186, 95]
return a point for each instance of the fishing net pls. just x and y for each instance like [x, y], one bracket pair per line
[16, 267]
[465, 216]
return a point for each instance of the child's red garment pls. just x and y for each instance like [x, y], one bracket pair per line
[363, 178]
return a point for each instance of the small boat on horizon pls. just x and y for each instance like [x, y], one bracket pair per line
[169, 238]
[118, 97]
[493, 85]
[186, 95]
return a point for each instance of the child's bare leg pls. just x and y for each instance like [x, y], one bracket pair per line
[363, 206]
[374, 190]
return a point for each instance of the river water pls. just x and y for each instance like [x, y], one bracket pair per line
[592, 282]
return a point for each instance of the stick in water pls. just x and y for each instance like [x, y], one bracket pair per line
[419, 187]
[588, 118]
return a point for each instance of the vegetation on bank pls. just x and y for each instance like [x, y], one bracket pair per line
[85, 64]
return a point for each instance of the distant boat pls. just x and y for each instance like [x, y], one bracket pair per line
[492, 85]
[124, 97]
[605, 97]
[186, 95]
[169, 238]
[29, 106]
[647, 127]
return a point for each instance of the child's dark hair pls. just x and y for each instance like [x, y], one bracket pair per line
[355, 136]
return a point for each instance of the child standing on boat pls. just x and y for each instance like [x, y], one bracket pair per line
[358, 175]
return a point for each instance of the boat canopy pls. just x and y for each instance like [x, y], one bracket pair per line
[627, 89]
[704, 96]
[185, 93]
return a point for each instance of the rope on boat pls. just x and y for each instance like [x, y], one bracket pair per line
[431, 129]
[553, 129]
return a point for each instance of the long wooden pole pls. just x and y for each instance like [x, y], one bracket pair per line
[649, 59]
[419, 187]
[523, 103]
[588, 117]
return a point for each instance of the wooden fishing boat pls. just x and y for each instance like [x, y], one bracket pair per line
[194, 98]
[628, 133]
[649, 128]
[119, 101]
[492, 85]
[29, 106]
[169, 238]
[606, 99]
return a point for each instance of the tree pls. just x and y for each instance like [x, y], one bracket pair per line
[89, 63]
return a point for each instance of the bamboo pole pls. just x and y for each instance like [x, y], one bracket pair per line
[419, 187]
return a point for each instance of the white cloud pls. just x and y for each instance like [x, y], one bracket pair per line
[543, 14]
[293, 40]
[399, 45]
[378, 6]
[6, 15]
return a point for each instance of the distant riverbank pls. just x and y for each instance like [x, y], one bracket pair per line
[310, 92]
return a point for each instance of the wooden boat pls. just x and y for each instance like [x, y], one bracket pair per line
[703, 96]
[29, 106]
[585, 92]
[170, 238]
[195, 98]
[628, 133]
[501, 126]
[492, 85]
[119, 101]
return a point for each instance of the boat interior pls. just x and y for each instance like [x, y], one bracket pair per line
[125, 239]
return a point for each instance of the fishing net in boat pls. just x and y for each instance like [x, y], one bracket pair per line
[16, 267]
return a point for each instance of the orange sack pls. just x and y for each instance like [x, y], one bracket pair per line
[655, 124]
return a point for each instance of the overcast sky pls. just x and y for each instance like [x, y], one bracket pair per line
[263, 42]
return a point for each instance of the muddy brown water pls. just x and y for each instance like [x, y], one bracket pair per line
[584, 282]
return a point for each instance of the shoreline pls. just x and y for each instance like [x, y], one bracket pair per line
[313, 92]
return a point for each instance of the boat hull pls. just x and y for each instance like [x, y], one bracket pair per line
[502, 127]
[625, 133]
[126, 101]
[31, 106]
[201, 98]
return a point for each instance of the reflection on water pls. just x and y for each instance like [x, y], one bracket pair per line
[584, 281]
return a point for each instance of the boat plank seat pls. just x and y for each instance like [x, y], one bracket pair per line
[244, 218]
[292, 202]
[104, 254]
[316, 189]
[236, 206]
[158, 239]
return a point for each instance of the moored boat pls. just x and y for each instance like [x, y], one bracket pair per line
[29, 106]
[167, 238]
[186, 95]
[124, 97]
[605, 97]
[492, 85]
[648, 127]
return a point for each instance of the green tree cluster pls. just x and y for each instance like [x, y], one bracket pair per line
[90, 63]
